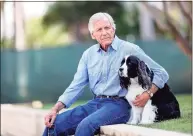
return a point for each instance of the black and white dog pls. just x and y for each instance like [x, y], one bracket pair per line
[137, 77]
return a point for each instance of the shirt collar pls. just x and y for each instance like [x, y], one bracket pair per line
[113, 45]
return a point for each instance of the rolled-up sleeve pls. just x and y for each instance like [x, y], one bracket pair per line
[75, 89]
[160, 74]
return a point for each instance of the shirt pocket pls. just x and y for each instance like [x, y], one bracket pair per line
[114, 66]
[94, 76]
[94, 71]
[114, 71]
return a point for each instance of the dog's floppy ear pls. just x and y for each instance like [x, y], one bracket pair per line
[121, 82]
[124, 82]
[143, 75]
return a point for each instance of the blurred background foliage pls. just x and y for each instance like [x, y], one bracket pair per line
[39, 37]
[74, 17]
[66, 22]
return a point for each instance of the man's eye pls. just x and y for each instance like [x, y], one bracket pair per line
[98, 30]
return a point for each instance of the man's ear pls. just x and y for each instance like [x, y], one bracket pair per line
[93, 37]
[114, 30]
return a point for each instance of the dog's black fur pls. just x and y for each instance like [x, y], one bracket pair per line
[165, 101]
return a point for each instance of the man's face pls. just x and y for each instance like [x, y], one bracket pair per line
[103, 32]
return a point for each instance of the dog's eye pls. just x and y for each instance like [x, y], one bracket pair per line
[123, 61]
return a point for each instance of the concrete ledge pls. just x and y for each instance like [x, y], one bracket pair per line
[21, 121]
[25, 121]
[130, 130]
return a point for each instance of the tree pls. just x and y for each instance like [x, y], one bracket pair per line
[74, 17]
[19, 32]
[180, 31]
[5, 42]
[2, 19]
[44, 37]
[2, 5]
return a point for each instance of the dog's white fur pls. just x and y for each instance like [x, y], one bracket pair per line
[139, 115]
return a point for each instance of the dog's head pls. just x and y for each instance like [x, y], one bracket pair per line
[132, 67]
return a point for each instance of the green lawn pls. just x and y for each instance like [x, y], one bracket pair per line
[183, 124]
[49, 106]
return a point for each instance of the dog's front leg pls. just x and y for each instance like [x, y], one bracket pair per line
[137, 111]
[148, 115]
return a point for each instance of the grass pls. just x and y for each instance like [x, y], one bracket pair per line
[50, 105]
[183, 124]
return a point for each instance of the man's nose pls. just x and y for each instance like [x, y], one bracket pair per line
[120, 69]
[104, 32]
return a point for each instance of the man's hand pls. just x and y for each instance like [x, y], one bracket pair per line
[50, 118]
[141, 100]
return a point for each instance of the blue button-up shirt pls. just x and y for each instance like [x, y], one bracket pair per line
[99, 69]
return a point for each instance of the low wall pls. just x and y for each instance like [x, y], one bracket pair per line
[129, 130]
[25, 121]
[21, 121]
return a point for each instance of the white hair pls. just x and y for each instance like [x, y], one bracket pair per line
[99, 16]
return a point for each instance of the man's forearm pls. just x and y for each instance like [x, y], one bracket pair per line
[58, 106]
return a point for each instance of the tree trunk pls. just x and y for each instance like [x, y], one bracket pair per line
[3, 24]
[19, 33]
[3, 28]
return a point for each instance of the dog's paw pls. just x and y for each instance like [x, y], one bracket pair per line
[133, 122]
[145, 122]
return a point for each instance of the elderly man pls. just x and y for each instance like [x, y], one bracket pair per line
[99, 67]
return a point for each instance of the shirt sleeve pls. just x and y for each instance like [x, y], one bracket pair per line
[160, 74]
[75, 89]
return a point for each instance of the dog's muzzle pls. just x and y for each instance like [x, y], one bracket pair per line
[120, 72]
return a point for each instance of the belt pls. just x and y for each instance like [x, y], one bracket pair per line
[106, 96]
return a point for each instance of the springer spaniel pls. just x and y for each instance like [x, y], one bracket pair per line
[137, 78]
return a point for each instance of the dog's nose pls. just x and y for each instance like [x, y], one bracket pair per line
[120, 69]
